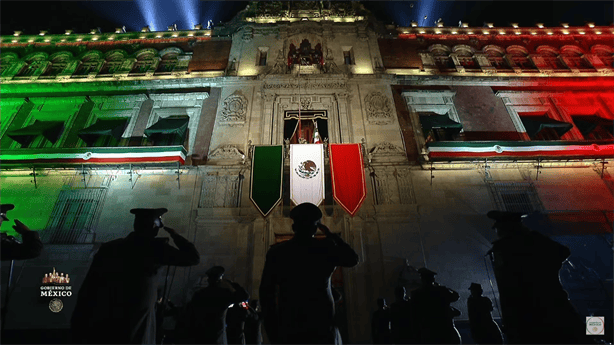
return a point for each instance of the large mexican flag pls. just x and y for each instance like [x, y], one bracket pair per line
[265, 189]
[307, 173]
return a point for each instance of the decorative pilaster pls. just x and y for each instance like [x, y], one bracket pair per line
[428, 62]
[512, 64]
[541, 65]
[457, 64]
[484, 63]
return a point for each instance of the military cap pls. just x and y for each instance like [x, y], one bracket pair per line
[4, 208]
[306, 212]
[148, 213]
[475, 286]
[215, 272]
[425, 272]
[506, 217]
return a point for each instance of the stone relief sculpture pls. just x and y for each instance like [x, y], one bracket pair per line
[234, 110]
[330, 66]
[280, 64]
[385, 148]
[227, 152]
[379, 111]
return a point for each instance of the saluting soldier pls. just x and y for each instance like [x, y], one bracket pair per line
[484, 330]
[206, 313]
[401, 312]
[380, 323]
[13, 249]
[534, 306]
[434, 315]
[117, 301]
[301, 268]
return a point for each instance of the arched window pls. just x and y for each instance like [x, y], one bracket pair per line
[604, 53]
[520, 56]
[89, 63]
[169, 60]
[551, 57]
[58, 64]
[33, 63]
[495, 55]
[441, 55]
[144, 61]
[573, 58]
[7, 60]
[112, 63]
[465, 56]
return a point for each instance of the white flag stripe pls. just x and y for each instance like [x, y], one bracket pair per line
[307, 173]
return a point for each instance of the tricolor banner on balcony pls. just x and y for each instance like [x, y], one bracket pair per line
[307, 173]
[348, 176]
[265, 189]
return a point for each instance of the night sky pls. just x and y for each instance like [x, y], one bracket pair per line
[82, 16]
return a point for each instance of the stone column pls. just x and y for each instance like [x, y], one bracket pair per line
[428, 62]
[596, 63]
[268, 111]
[72, 139]
[345, 130]
[539, 62]
[484, 63]
[510, 61]
[16, 122]
[567, 61]
[457, 64]
[10, 72]
[136, 138]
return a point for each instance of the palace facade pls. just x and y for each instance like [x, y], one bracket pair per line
[453, 122]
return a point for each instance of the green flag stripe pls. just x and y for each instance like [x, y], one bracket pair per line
[267, 165]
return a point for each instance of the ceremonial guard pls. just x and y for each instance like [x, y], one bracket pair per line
[380, 323]
[13, 249]
[484, 330]
[431, 302]
[402, 323]
[534, 306]
[117, 301]
[235, 323]
[206, 313]
[304, 310]
[253, 329]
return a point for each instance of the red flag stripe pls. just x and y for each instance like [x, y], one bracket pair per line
[348, 176]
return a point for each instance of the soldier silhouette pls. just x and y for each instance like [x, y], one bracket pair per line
[14, 250]
[117, 301]
[11, 248]
[433, 320]
[236, 317]
[301, 268]
[401, 315]
[253, 330]
[206, 313]
[484, 330]
[380, 323]
[534, 306]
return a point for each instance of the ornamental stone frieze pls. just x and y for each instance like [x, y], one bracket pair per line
[386, 152]
[227, 154]
[309, 84]
[234, 110]
[379, 111]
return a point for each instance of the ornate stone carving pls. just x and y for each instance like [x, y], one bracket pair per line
[386, 149]
[379, 111]
[330, 66]
[234, 110]
[307, 85]
[227, 152]
[280, 66]
[306, 103]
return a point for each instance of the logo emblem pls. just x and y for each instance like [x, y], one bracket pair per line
[307, 169]
[595, 325]
[56, 305]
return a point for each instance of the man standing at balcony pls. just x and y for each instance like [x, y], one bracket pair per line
[304, 310]
[117, 301]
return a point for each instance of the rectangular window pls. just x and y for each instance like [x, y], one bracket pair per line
[221, 191]
[262, 60]
[515, 196]
[74, 216]
[348, 57]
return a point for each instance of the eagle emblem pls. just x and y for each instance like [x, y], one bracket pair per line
[307, 169]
